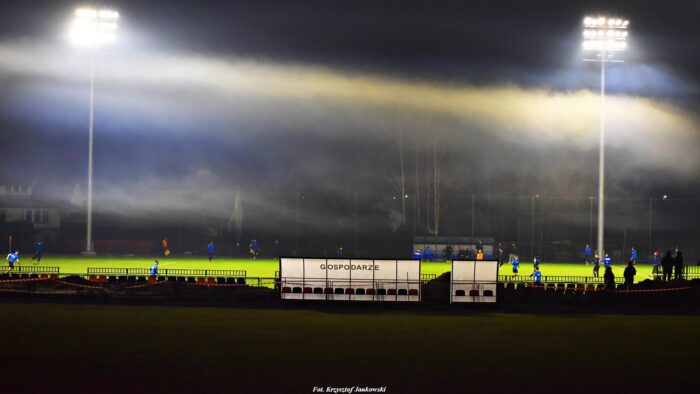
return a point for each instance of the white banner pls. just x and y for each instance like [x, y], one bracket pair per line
[350, 279]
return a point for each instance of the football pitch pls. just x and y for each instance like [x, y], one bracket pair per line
[266, 268]
[119, 348]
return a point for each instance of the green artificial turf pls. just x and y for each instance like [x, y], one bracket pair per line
[84, 348]
[266, 268]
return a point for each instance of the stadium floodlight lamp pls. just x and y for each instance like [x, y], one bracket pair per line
[93, 28]
[603, 37]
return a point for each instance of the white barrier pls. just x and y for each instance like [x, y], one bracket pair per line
[350, 279]
[473, 281]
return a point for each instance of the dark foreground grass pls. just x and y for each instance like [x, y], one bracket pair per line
[81, 348]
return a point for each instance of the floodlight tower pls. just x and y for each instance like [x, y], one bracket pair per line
[604, 38]
[92, 29]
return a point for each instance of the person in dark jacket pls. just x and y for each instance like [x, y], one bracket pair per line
[667, 266]
[500, 254]
[629, 274]
[596, 265]
[678, 265]
[38, 251]
[512, 252]
[609, 279]
[655, 264]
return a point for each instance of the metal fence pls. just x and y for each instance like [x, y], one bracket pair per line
[28, 269]
[166, 272]
[556, 279]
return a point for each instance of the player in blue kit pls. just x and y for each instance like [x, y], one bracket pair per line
[537, 274]
[516, 265]
[536, 262]
[12, 258]
[211, 250]
[38, 251]
[417, 255]
[587, 254]
[428, 254]
[154, 269]
[607, 261]
[633, 256]
[254, 249]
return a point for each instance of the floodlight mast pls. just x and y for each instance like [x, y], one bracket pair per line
[92, 28]
[603, 37]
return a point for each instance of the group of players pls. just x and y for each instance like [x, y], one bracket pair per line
[253, 249]
[13, 257]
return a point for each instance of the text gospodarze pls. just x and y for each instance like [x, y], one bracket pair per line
[354, 267]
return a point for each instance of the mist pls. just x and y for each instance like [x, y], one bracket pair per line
[185, 132]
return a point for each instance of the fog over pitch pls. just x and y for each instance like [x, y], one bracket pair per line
[198, 103]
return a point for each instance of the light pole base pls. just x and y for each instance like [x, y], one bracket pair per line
[90, 253]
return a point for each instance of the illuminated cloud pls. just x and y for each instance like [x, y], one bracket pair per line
[217, 97]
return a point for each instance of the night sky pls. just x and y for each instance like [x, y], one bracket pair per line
[312, 96]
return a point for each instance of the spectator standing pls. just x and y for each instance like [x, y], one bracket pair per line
[633, 256]
[609, 279]
[678, 265]
[629, 274]
[536, 262]
[667, 265]
[587, 254]
[38, 251]
[339, 252]
[655, 263]
[211, 250]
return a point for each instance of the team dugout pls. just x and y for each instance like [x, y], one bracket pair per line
[448, 248]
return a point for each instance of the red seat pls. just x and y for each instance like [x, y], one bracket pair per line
[308, 290]
[286, 290]
[202, 281]
[152, 279]
[473, 293]
[211, 281]
[413, 292]
[370, 292]
[391, 292]
[349, 290]
[102, 279]
[328, 290]
[93, 278]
